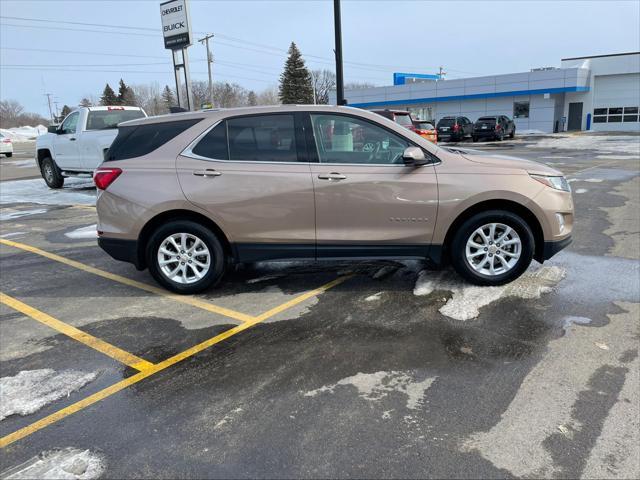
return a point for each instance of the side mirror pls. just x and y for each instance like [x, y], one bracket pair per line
[53, 128]
[414, 156]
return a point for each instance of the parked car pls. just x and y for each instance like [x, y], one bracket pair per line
[426, 130]
[454, 129]
[6, 146]
[189, 194]
[401, 117]
[495, 127]
[77, 146]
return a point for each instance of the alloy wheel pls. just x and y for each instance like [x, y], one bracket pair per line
[493, 249]
[184, 258]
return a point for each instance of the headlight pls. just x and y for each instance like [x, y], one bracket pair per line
[559, 183]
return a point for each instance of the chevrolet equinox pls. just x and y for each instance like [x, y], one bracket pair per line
[186, 195]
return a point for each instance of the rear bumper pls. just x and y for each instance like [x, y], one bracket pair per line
[551, 248]
[484, 133]
[123, 250]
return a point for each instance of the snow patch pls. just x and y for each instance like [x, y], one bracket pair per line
[12, 234]
[466, 300]
[90, 231]
[263, 278]
[373, 298]
[30, 390]
[581, 190]
[66, 464]
[607, 144]
[76, 191]
[591, 180]
[376, 386]
[11, 215]
[569, 321]
[617, 157]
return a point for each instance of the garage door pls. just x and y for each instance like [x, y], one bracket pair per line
[616, 102]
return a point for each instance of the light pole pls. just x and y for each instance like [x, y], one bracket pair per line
[338, 51]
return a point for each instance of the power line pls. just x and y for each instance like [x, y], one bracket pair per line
[228, 37]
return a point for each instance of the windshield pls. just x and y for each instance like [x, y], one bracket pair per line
[402, 119]
[103, 119]
[424, 126]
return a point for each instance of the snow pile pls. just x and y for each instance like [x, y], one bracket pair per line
[66, 464]
[467, 300]
[23, 134]
[628, 144]
[30, 390]
[375, 386]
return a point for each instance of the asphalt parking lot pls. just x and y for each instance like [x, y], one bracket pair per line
[373, 369]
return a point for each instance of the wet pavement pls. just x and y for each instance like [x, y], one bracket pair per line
[396, 371]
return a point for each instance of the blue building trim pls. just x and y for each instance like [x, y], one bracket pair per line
[400, 78]
[475, 96]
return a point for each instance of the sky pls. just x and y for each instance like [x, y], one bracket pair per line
[474, 38]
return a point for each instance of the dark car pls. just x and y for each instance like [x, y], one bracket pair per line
[495, 127]
[454, 129]
[401, 117]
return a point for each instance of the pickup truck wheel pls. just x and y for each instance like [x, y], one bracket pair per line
[492, 248]
[51, 173]
[185, 257]
[9, 155]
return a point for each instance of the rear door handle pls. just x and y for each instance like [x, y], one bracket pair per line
[72, 139]
[332, 176]
[209, 172]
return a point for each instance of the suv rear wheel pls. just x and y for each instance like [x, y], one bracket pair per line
[51, 173]
[492, 248]
[185, 257]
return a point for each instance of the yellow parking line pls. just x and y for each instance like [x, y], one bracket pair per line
[107, 392]
[195, 302]
[82, 337]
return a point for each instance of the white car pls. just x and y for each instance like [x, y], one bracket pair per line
[6, 146]
[77, 146]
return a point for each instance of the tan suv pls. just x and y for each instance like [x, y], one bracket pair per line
[187, 194]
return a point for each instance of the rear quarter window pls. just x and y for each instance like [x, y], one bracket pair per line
[138, 140]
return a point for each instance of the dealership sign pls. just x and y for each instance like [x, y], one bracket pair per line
[176, 27]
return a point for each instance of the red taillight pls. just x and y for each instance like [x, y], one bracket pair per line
[498, 127]
[6, 140]
[456, 127]
[103, 177]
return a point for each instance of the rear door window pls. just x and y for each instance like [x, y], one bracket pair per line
[262, 138]
[105, 119]
[138, 140]
[214, 144]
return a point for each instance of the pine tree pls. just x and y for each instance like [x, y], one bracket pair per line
[108, 96]
[168, 98]
[252, 99]
[85, 102]
[125, 95]
[295, 81]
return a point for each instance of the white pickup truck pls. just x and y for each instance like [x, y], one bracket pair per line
[76, 147]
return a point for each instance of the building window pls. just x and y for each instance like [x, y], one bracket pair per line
[520, 109]
[615, 114]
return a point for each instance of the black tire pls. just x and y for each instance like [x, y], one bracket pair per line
[475, 139]
[9, 155]
[51, 173]
[513, 133]
[459, 242]
[217, 264]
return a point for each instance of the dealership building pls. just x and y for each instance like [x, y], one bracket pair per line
[600, 93]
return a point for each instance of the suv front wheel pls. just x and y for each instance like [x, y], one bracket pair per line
[492, 248]
[185, 257]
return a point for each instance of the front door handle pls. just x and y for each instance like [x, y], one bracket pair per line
[209, 172]
[332, 176]
[72, 139]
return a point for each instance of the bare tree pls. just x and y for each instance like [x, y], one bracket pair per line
[323, 81]
[269, 96]
[149, 97]
[12, 114]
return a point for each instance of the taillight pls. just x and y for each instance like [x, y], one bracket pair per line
[6, 140]
[498, 127]
[103, 177]
[456, 127]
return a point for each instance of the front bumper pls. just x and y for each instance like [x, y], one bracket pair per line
[123, 250]
[553, 247]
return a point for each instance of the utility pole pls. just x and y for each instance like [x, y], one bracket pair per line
[205, 41]
[57, 110]
[442, 73]
[48, 95]
[338, 51]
